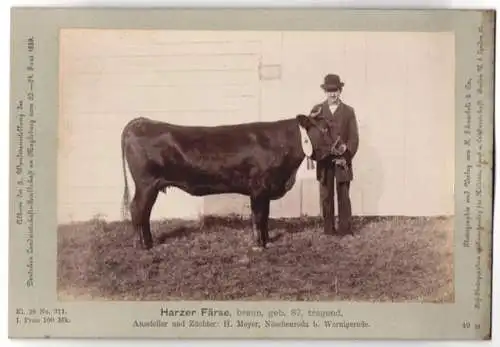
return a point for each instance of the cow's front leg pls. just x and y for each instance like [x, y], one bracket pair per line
[260, 221]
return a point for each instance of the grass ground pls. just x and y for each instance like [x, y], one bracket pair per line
[388, 259]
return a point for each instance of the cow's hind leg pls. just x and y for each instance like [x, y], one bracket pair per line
[141, 206]
[260, 220]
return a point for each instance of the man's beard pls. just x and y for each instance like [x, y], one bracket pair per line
[333, 100]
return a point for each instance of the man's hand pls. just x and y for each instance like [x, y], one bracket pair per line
[340, 162]
[340, 150]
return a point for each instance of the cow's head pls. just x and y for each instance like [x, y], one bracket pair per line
[316, 140]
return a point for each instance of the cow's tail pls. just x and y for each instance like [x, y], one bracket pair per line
[126, 194]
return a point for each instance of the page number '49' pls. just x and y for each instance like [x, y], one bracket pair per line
[467, 325]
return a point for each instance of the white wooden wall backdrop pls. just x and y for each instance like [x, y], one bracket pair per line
[400, 84]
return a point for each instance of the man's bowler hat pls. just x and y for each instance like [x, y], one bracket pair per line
[331, 82]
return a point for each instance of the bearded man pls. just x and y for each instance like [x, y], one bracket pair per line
[337, 170]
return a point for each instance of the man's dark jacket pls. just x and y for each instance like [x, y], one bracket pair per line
[342, 123]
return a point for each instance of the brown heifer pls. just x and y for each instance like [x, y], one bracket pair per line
[259, 160]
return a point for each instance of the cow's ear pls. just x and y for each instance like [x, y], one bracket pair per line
[304, 121]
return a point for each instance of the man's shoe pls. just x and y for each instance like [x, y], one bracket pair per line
[331, 231]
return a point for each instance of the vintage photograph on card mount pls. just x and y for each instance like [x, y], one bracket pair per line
[256, 165]
[251, 174]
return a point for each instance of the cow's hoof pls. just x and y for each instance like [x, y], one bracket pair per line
[258, 248]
